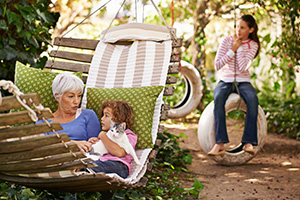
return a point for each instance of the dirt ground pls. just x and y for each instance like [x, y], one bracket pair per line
[274, 173]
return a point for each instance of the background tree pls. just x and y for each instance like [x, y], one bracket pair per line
[25, 30]
[201, 13]
[275, 79]
[71, 13]
[279, 95]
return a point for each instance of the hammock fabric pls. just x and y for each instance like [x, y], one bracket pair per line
[32, 159]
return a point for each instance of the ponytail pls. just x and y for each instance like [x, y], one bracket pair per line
[252, 24]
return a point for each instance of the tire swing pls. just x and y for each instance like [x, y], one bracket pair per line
[192, 95]
[206, 132]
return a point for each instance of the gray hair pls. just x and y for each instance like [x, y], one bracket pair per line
[66, 82]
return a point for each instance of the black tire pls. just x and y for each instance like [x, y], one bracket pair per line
[193, 92]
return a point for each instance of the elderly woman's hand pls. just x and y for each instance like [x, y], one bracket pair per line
[84, 146]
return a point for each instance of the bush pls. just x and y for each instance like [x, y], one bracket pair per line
[163, 181]
[282, 112]
[25, 30]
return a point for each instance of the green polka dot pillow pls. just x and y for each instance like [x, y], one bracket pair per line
[142, 101]
[33, 80]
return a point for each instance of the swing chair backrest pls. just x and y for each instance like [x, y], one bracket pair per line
[48, 157]
[80, 62]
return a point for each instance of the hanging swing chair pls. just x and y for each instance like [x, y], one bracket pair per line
[125, 59]
[206, 126]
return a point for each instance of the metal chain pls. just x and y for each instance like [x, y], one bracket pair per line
[87, 17]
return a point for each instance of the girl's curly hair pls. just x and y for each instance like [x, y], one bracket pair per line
[121, 111]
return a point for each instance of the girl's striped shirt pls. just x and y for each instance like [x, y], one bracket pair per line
[224, 60]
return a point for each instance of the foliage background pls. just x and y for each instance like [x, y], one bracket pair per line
[27, 27]
[25, 30]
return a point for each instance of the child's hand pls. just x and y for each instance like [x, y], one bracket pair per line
[236, 43]
[84, 146]
[93, 140]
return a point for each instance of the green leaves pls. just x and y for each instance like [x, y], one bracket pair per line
[197, 186]
[3, 25]
[24, 34]
[27, 12]
[278, 96]
[12, 17]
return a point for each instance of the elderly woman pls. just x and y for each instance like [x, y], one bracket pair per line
[79, 124]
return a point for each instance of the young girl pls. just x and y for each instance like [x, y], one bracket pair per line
[117, 160]
[245, 45]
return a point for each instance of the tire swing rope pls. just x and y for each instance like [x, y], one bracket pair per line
[206, 132]
[235, 83]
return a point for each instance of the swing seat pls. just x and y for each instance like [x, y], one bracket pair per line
[206, 133]
[30, 158]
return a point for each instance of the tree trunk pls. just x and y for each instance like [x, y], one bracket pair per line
[200, 22]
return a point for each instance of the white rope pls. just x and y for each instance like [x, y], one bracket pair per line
[12, 88]
[135, 3]
[159, 13]
[113, 20]
[235, 83]
[143, 18]
[173, 35]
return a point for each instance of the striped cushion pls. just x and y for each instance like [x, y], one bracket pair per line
[135, 31]
[144, 63]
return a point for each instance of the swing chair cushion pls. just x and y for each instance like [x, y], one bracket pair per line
[142, 101]
[135, 31]
[32, 80]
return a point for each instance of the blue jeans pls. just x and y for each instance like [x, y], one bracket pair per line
[248, 94]
[111, 166]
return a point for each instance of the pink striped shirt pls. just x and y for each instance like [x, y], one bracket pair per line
[224, 60]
